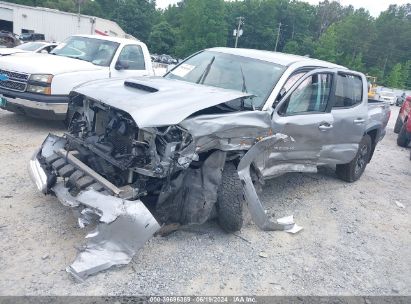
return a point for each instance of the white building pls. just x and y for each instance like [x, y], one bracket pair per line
[54, 24]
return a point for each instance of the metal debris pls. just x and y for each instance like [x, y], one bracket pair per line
[123, 229]
[400, 205]
[260, 156]
[289, 224]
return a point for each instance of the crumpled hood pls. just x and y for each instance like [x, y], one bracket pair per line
[157, 101]
[34, 63]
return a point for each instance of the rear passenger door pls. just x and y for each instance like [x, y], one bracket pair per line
[350, 113]
[304, 113]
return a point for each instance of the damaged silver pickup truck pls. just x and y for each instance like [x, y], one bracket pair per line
[144, 152]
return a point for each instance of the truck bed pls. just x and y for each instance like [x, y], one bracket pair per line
[379, 113]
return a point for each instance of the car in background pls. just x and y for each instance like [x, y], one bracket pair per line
[34, 47]
[38, 85]
[400, 99]
[8, 40]
[403, 124]
[154, 57]
[32, 37]
[167, 59]
[388, 96]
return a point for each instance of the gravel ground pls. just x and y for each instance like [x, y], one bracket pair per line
[356, 239]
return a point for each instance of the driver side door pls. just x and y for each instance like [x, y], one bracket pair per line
[304, 114]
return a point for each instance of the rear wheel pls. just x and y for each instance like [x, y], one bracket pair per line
[403, 139]
[230, 200]
[398, 125]
[352, 171]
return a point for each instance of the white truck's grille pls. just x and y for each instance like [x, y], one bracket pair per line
[16, 81]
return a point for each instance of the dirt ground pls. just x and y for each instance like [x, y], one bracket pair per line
[356, 238]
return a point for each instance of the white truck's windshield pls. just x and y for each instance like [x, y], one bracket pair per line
[97, 51]
[30, 46]
[232, 72]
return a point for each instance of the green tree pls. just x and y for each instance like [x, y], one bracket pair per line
[406, 75]
[394, 78]
[327, 46]
[162, 39]
[136, 17]
[202, 26]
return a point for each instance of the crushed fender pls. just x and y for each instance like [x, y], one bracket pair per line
[259, 156]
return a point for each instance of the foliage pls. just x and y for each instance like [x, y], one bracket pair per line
[377, 46]
[162, 38]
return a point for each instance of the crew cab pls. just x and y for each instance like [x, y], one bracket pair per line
[38, 85]
[189, 145]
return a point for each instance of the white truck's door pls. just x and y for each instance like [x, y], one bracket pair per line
[131, 60]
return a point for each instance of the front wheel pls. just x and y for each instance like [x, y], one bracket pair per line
[230, 200]
[352, 171]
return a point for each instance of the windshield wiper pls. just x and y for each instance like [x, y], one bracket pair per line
[244, 89]
[206, 71]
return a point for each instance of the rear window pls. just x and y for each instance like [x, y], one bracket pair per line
[348, 92]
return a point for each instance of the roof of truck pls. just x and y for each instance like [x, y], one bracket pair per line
[275, 57]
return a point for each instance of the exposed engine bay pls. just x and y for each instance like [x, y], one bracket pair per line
[109, 142]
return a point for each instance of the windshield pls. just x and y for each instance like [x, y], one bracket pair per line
[232, 72]
[30, 46]
[97, 51]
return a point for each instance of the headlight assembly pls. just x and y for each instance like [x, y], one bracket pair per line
[44, 78]
[38, 89]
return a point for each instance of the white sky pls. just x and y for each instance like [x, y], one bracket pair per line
[374, 6]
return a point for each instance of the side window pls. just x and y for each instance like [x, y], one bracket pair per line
[293, 79]
[289, 83]
[132, 58]
[312, 95]
[348, 91]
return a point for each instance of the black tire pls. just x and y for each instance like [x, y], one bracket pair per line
[403, 139]
[398, 125]
[352, 171]
[230, 200]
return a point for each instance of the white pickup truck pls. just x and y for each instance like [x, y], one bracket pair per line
[38, 85]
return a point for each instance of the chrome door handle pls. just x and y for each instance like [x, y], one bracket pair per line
[359, 121]
[325, 127]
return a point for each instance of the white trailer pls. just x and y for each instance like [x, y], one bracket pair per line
[54, 24]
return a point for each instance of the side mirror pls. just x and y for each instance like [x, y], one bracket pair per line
[44, 52]
[279, 97]
[281, 94]
[121, 65]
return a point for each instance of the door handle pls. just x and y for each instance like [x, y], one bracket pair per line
[359, 121]
[325, 126]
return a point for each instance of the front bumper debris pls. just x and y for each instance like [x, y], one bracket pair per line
[123, 229]
[122, 226]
